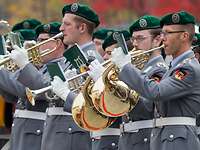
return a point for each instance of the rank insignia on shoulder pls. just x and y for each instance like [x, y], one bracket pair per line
[180, 75]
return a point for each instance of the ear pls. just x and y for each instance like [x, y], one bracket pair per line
[185, 36]
[82, 27]
[157, 41]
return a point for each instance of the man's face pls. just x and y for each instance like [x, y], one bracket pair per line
[70, 29]
[171, 36]
[49, 45]
[108, 51]
[98, 44]
[142, 40]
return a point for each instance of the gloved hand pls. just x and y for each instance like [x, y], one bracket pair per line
[28, 44]
[96, 70]
[70, 73]
[19, 56]
[119, 58]
[60, 88]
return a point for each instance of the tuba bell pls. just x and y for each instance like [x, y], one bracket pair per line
[85, 114]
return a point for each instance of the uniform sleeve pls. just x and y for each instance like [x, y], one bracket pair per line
[10, 86]
[145, 107]
[69, 101]
[172, 87]
[31, 77]
[9, 97]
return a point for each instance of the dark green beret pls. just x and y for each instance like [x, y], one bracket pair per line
[50, 28]
[180, 18]
[196, 40]
[144, 23]
[102, 33]
[110, 39]
[26, 24]
[82, 11]
[27, 34]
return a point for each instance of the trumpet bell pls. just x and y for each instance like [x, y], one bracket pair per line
[112, 97]
[85, 114]
[30, 96]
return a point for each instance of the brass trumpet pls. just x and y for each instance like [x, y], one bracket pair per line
[33, 53]
[31, 94]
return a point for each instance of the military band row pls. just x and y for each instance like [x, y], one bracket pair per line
[129, 99]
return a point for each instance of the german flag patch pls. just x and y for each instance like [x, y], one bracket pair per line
[180, 74]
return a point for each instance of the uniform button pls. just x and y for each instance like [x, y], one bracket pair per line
[145, 139]
[38, 131]
[151, 134]
[171, 136]
[113, 144]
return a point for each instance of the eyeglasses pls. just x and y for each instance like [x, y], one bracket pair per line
[165, 33]
[139, 38]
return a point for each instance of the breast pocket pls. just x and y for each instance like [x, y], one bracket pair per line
[68, 135]
[33, 135]
[68, 128]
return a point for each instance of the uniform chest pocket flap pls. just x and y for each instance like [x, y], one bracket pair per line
[171, 133]
[68, 128]
[34, 129]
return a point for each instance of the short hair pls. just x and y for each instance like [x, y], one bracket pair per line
[90, 25]
[190, 29]
[155, 32]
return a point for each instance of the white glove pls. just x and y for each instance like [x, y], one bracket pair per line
[60, 88]
[70, 73]
[28, 44]
[119, 58]
[19, 56]
[95, 70]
